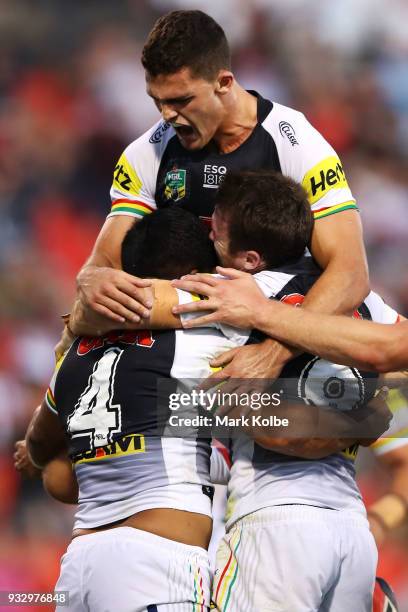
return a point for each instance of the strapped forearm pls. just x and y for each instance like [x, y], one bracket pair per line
[84, 321]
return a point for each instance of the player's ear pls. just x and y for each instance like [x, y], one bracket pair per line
[224, 82]
[253, 261]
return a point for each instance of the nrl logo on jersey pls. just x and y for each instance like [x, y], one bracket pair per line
[158, 134]
[175, 184]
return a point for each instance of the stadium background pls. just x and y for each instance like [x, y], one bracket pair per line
[72, 96]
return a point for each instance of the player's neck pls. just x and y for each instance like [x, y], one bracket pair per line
[240, 120]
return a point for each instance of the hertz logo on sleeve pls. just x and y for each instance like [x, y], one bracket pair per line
[326, 175]
[125, 178]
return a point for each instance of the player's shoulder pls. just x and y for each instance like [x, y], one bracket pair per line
[136, 170]
[289, 281]
[271, 282]
[286, 123]
[299, 145]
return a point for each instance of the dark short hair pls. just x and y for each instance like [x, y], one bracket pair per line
[166, 244]
[186, 39]
[266, 212]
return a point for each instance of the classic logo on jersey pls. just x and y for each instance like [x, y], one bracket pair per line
[287, 130]
[139, 338]
[175, 184]
[326, 175]
[156, 137]
[213, 175]
[128, 445]
[125, 177]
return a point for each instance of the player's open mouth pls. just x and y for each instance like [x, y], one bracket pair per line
[184, 131]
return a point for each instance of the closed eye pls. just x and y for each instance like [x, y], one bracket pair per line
[173, 101]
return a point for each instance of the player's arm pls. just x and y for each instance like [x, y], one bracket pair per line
[239, 302]
[337, 239]
[337, 246]
[84, 322]
[363, 344]
[313, 432]
[305, 448]
[57, 475]
[45, 437]
[391, 510]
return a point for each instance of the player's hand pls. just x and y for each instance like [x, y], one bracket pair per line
[22, 461]
[374, 418]
[235, 301]
[115, 294]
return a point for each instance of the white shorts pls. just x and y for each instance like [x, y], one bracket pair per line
[129, 570]
[296, 559]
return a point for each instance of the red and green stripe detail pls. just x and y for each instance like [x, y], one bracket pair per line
[131, 207]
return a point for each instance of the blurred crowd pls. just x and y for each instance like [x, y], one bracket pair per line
[72, 96]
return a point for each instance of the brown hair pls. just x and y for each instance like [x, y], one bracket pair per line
[266, 212]
[186, 39]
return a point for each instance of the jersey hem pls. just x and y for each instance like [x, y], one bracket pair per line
[81, 524]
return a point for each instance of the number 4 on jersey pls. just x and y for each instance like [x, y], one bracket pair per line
[94, 414]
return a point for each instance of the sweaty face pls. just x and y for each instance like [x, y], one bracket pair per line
[190, 104]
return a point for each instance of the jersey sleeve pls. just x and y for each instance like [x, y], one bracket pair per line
[380, 311]
[134, 177]
[309, 159]
[396, 435]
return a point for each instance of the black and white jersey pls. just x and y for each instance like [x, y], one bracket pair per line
[111, 395]
[106, 392]
[156, 171]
